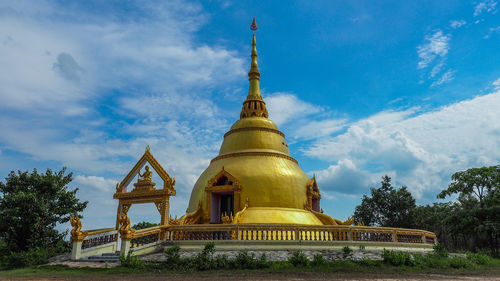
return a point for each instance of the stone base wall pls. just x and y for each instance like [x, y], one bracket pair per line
[280, 255]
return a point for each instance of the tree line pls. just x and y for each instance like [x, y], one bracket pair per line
[470, 221]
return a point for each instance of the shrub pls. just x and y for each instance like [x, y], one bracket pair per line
[203, 261]
[209, 249]
[433, 261]
[172, 254]
[397, 258]
[173, 257]
[298, 259]
[346, 250]
[419, 260]
[263, 262]
[221, 262]
[361, 247]
[458, 262]
[368, 262]
[31, 257]
[131, 261]
[244, 261]
[319, 260]
[440, 251]
[478, 258]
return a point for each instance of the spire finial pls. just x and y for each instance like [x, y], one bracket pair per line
[254, 106]
[253, 27]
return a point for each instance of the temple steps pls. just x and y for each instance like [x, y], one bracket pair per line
[106, 257]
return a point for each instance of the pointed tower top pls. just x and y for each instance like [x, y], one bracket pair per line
[254, 105]
[253, 27]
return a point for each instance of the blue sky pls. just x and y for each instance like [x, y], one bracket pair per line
[360, 89]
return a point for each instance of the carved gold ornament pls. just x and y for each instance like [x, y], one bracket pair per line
[76, 233]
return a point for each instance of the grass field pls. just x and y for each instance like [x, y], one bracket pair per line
[346, 270]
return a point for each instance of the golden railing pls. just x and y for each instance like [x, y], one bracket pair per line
[145, 236]
[275, 232]
[98, 237]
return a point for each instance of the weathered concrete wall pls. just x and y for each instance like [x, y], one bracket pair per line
[282, 251]
[107, 248]
[281, 255]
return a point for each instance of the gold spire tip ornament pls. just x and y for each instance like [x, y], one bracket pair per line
[253, 27]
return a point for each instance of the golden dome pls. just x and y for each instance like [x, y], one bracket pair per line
[254, 177]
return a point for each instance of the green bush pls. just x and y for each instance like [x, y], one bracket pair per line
[397, 258]
[298, 259]
[173, 260]
[440, 251]
[419, 260]
[31, 257]
[457, 262]
[346, 250]
[368, 262]
[131, 261]
[204, 260]
[221, 262]
[319, 260]
[172, 254]
[478, 258]
[209, 249]
[262, 262]
[243, 261]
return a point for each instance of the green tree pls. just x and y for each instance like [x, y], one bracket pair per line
[478, 182]
[143, 225]
[387, 206]
[432, 218]
[31, 205]
[478, 191]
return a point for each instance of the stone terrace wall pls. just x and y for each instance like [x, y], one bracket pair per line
[280, 255]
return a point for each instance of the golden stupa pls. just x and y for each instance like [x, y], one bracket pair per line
[254, 180]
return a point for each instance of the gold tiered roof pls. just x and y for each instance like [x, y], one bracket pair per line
[254, 164]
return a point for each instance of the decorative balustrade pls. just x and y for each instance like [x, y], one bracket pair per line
[296, 232]
[408, 237]
[145, 236]
[372, 234]
[99, 237]
[430, 239]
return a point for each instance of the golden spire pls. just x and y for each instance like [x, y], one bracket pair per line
[254, 105]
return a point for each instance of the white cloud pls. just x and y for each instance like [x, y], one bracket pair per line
[97, 183]
[327, 195]
[51, 65]
[301, 120]
[285, 107]
[317, 129]
[457, 23]
[496, 84]
[344, 177]
[446, 77]
[58, 76]
[485, 6]
[437, 45]
[420, 150]
[436, 69]
[491, 31]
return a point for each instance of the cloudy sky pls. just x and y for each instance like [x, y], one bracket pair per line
[360, 89]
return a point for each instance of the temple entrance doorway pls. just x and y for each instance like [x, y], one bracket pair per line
[315, 204]
[222, 203]
[223, 193]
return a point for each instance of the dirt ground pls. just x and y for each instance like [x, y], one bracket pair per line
[259, 276]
